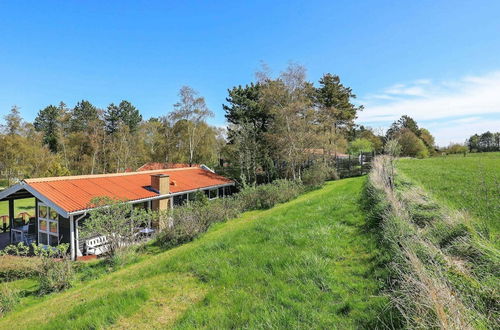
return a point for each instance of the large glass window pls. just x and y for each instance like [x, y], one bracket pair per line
[48, 225]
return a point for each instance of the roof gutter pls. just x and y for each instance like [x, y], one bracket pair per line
[142, 200]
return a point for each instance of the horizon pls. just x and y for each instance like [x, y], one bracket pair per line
[434, 62]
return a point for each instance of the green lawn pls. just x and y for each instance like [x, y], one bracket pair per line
[20, 205]
[304, 264]
[471, 184]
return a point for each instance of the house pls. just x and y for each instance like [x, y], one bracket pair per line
[62, 203]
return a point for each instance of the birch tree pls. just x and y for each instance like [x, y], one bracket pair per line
[193, 110]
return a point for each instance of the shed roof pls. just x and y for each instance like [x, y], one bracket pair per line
[74, 193]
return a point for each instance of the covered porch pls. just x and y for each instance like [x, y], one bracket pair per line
[17, 218]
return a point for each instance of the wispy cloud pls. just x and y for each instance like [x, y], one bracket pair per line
[454, 108]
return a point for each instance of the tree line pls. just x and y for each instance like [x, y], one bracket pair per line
[277, 126]
[85, 139]
[487, 141]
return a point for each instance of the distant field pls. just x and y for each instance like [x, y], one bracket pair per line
[306, 264]
[470, 183]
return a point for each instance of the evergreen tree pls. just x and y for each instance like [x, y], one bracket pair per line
[47, 121]
[130, 115]
[125, 113]
[82, 115]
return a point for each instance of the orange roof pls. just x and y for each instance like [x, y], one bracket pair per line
[74, 193]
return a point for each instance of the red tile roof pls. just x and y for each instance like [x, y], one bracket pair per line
[74, 193]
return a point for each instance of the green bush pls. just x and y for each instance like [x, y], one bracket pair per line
[13, 267]
[186, 222]
[268, 195]
[8, 299]
[55, 275]
[317, 174]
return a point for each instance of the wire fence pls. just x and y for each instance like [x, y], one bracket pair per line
[350, 166]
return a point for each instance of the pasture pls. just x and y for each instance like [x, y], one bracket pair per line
[470, 184]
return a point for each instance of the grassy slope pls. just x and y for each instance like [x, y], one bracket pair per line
[306, 263]
[469, 183]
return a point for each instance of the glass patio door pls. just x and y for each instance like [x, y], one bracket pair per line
[48, 225]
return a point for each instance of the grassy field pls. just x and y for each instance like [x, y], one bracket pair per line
[304, 264]
[470, 184]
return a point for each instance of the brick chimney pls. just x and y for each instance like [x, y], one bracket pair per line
[161, 183]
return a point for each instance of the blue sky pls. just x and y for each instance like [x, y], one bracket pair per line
[437, 61]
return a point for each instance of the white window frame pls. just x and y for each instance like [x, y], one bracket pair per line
[49, 220]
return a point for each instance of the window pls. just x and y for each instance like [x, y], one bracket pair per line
[48, 225]
[180, 199]
[212, 193]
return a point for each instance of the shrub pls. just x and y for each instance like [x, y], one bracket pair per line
[268, 195]
[20, 250]
[317, 174]
[123, 257]
[14, 267]
[55, 275]
[8, 299]
[184, 223]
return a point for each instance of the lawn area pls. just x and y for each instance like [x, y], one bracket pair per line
[20, 205]
[303, 264]
[470, 184]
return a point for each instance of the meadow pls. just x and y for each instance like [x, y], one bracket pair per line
[470, 184]
[302, 264]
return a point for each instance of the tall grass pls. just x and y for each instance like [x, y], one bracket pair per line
[444, 273]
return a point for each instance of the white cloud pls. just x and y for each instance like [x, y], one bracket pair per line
[477, 98]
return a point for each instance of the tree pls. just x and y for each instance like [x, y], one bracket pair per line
[116, 220]
[288, 99]
[486, 141]
[249, 121]
[130, 115]
[473, 143]
[335, 109]
[359, 146]
[124, 113]
[403, 122]
[14, 121]
[411, 145]
[112, 118]
[47, 122]
[191, 108]
[427, 138]
[368, 134]
[82, 115]
[456, 148]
